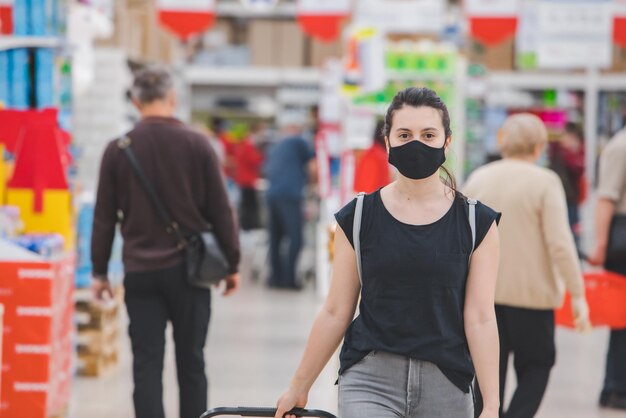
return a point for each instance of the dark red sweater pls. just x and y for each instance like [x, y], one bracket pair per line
[186, 174]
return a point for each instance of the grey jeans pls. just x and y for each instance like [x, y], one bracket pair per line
[385, 385]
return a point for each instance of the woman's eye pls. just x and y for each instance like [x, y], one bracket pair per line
[430, 136]
[404, 136]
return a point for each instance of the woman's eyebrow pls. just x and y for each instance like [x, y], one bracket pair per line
[430, 129]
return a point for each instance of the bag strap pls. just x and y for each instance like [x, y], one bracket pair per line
[472, 222]
[356, 233]
[124, 143]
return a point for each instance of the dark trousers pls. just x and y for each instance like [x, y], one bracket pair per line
[286, 223]
[152, 299]
[249, 216]
[615, 376]
[528, 334]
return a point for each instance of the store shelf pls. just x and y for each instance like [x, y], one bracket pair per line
[297, 98]
[612, 82]
[419, 76]
[236, 9]
[537, 81]
[12, 42]
[250, 76]
[550, 80]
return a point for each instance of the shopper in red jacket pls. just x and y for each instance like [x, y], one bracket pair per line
[372, 170]
[248, 162]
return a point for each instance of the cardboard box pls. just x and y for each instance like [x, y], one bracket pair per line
[619, 60]
[290, 46]
[496, 58]
[320, 52]
[138, 33]
[262, 41]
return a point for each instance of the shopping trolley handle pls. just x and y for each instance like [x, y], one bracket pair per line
[264, 412]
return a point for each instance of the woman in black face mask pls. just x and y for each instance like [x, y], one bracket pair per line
[426, 276]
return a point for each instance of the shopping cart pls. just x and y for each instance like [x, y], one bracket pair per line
[264, 412]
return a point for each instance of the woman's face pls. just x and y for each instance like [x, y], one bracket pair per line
[417, 123]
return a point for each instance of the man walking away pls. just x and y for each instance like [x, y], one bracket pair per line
[183, 168]
[288, 167]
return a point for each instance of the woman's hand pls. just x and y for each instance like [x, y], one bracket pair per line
[292, 398]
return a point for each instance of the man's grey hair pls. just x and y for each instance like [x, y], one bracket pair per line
[152, 83]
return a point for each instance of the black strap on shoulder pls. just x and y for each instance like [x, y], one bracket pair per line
[124, 143]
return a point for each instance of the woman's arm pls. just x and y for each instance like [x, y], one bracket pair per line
[481, 328]
[329, 326]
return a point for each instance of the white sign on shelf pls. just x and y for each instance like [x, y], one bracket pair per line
[574, 34]
[323, 7]
[358, 128]
[527, 36]
[401, 16]
[187, 5]
[491, 8]
[259, 5]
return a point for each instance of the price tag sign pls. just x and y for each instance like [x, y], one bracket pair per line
[259, 5]
[491, 8]
[331, 7]
[574, 34]
[402, 16]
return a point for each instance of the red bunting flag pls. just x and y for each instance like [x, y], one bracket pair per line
[492, 21]
[321, 19]
[619, 23]
[186, 17]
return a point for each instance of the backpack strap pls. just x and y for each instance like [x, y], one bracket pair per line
[356, 233]
[472, 222]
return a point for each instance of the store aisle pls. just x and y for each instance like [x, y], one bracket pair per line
[255, 343]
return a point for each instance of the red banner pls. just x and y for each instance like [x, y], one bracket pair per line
[186, 17]
[619, 31]
[492, 21]
[493, 30]
[321, 19]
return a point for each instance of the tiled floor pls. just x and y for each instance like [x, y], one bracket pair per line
[256, 339]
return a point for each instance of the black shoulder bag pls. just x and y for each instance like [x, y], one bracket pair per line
[205, 261]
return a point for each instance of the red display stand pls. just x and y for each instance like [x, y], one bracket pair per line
[38, 330]
[606, 293]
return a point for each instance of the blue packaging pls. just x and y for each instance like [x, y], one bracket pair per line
[44, 77]
[20, 79]
[84, 227]
[46, 245]
[21, 18]
[5, 80]
[37, 15]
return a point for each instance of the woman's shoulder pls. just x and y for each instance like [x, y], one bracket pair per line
[345, 215]
[349, 209]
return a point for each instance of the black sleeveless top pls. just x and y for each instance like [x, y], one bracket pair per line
[413, 292]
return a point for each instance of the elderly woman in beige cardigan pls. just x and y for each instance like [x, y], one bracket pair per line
[538, 258]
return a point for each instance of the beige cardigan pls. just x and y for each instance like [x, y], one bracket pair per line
[538, 255]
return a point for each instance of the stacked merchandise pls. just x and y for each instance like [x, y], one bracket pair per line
[36, 216]
[98, 324]
[101, 112]
[27, 74]
[98, 333]
[36, 272]
[101, 115]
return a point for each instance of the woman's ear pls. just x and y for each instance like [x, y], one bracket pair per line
[447, 143]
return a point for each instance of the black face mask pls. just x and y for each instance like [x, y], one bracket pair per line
[417, 160]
